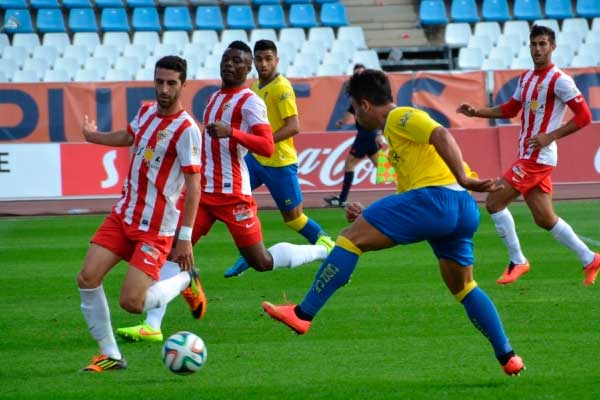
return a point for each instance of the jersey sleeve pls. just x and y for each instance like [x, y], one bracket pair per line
[134, 125]
[411, 123]
[286, 101]
[254, 111]
[189, 148]
[565, 88]
[518, 93]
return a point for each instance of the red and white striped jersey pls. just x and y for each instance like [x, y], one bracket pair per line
[164, 148]
[223, 167]
[543, 95]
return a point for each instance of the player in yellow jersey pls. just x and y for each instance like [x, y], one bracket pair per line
[279, 173]
[431, 204]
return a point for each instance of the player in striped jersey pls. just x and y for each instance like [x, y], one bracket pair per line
[140, 229]
[236, 122]
[543, 93]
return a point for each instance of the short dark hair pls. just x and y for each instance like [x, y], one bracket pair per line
[265, 44]
[174, 63]
[239, 45]
[358, 65]
[371, 85]
[538, 30]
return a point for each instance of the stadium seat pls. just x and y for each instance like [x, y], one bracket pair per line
[89, 40]
[502, 53]
[317, 48]
[335, 57]
[23, 18]
[100, 64]
[565, 52]
[464, 11]
[209, 18]
[8, 67]
[8, 4]
[495, 10]
[571, 39]
[56, 75]
[82, 20]
[177, 19]
[591, 49]
[56, 39]
[44, 4]
[302, 16]
[25, 76]
[470, 58]
[49, 53]
[258, 34]
[583, 60]
[114, 20]
[577, 25]
[331, 69]
[588, 8]
[207, 39]
[195, 54]
[271, 16]
[287, 50]
[109, 3]
[484, 43]
[334, 14]
[323, 34]
[129, 64]
[265, 2]
[432, 12]
[457, 34]
[368, 58]
[550, 23]
[3, 77]
[69, 65]
[145, 19]
[296, 2]
[298, 71]
[50, 20]
[107, 51]
[512, 41]
[77, 4]
[178, 38]
[4, 42]
[493, 64]
[168, 49]
[229, 35]
[345, 48]
[27, 40]
[240, 17]
[117, 39]
[522, 62]
[140, 3]
[138, 51]
[528, 10]
[596, 24]
[490, 29]
[117, 75]
[17, 54]
[87, 75]
[207, 73]
[518, 28]
[147, 74]
[76, 52]
[293, 35]
[558, 9]
[354, 34]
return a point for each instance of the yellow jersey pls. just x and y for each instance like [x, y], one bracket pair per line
[280, 99]
[417, 163]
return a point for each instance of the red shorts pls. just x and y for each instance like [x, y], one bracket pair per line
[525, 175]
[147, 251]
[238, 212]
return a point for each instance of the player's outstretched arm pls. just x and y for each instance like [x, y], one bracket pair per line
[486, 112]
[448, 149]
[115, 139]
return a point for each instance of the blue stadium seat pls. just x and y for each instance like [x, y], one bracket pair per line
[177, 19]
[588, 8]
[558, 9]
[114, 20]
[77, 4]
[145, 19]
[22, 16]
[44, 4]
[109, 3]
[50, 20]
[464, 11]
[296, 1]
[210, 18]
[529, 10]
[495, 10]
[140, 3]
[6, 4]
[271, 16]
[324, 1]
[432, 12]
[240, 17]
[302, 16]
[82, 20]
[263, 2]
[333, 14]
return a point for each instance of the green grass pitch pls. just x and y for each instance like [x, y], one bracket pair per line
[393, 333]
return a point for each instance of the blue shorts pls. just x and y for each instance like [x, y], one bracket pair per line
[364, 143]
[282, 182]
[445, 218]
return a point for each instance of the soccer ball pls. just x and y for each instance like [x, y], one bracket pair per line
[184, 353]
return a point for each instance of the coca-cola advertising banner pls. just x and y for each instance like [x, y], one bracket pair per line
[80, 170]
[53, 112]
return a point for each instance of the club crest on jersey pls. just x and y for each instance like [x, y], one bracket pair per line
[150, 251]
[242, 212]
[405, 119]
[162, 135]
[226, 106]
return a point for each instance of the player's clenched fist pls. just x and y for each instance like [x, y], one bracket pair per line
[353, 210]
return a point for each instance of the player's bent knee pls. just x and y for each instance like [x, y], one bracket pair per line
[132, 305]
[86, 281]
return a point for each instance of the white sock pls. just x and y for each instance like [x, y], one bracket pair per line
[505, 226]
[97, 315]
[155, 315]
[564, 234]
[163, 292]
[287, 255]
